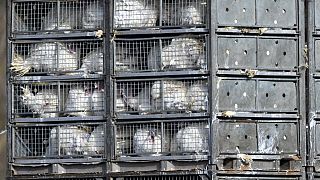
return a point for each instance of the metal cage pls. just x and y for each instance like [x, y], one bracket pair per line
[161, 138]
[48, 57]
[184, 53]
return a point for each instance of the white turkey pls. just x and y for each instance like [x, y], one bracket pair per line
[181, 53]
[134, 13]
[125, 60]
[41, 102]
[68, 18]
[68, 140]
[172, 93]
[98, 101]
[192, 139]
[197, 95]
[79, 102]
[19, 24]
[93, 61]
[188, 12]
[93, 16]
[140, 102]
[96, 140]
[147, 141]
[47, 57]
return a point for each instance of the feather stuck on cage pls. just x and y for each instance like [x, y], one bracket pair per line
[93, 16]
[197, 95]
[141, 102]
[78, 102]
[188, 12]
[98, 101]
[147, 141]
[68, 19]
[41, 102]
[69, 140]
[96, 141]
[46, 57]
[93, 61]
[192, 139]
[181, 53]
[172, 93]
[134, 13]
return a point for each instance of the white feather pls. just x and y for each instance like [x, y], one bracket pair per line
[134, 13]
[42, 102]
[198, 96]
[93, 61]
[192, 139]
[93, 16]
[98, 102]
[173, 95]
[144, 142]
[70, 140]
[120, 106]
[96, 140]
[78, 102]
[179, 54]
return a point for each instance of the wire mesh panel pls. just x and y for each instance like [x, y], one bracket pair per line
[258, 95]
[282, 14]
[259, 53]
[165, 54]
[173, 96]
[163, 177]
[58, 99]
[57, 57]
[155, 139]
[150, 13]
[58, 178]
[58, 141]
[65, 16]
[257, 178]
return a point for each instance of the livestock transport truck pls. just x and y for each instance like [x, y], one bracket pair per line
[163, 89]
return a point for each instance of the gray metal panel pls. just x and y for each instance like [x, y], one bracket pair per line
[239, 13]
[317, 54]
[237, 95]
[316, 16]
[277, 53]
[277, 138]
[237, 52]
[237, 138]
[277, 13]
[277, 96]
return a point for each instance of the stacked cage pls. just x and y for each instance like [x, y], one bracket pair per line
[259, 84]
[313, 87]
[160, 87]
[56, 88]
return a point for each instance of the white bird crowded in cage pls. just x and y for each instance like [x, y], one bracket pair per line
[134, 13]
[43, 103]
[68, 140]
[68, 19]
[98, 101]
[19, 24]
[78, 102]
[181, 53]
[96, 141]
[172, 93]
[93, 62]
[93, 16]
[192, 139]
[197, 95]
[147, 141]
[140, 102]
[46, 57]
[125, 60]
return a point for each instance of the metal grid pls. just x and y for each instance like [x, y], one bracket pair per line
[151, 13]
[40, 16]
[57, 57]
[155, 139]
[259, 53]
[58, 141]
[54, 177]
[58, 99]
[258, 95]
[257, 178]
[165, 54]
[161, 96]
[163, 177]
